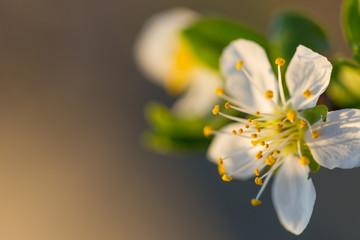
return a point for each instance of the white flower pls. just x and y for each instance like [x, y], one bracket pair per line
[276, 134]
[167, 59]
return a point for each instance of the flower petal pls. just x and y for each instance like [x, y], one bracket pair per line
[307, 70]
[199, 98]
[257, 65]
[293, 195]
[338, 144]
[227, 144]
[157, 42]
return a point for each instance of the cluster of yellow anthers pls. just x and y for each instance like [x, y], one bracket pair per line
[278, 133]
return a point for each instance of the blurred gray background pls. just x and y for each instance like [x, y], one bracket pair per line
[71, 102]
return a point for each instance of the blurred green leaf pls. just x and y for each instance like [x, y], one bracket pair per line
[351, 23]
[315, 114]
[344, 88]
[171, 133]
[356, 50]
[289, 29]
[209, 36]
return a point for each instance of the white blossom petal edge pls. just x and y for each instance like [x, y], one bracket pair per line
[276, 139]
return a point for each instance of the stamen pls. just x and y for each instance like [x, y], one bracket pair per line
[269, 94]
[259, 155]
[234, 132]
[262, 143]
[256, 123]
[255, 202]
[220, 161]
[239, 65]
[307, 93]
[270, 160]
[254, 143]
[291, 115]
[247, 125]
[258, 181]
[226, 178]
[241, 131]
[266, 145]
[258, 130]
[227, 105]
[254, 135]
[277, 152]
[257, 172]
[219, 91]
[280, 62]
[303, 123]
[208, 130]
[216, 110]
[221, 169]
[249, 120]
[304, 160]
[257, 113]
[264, 186]
[315, 134]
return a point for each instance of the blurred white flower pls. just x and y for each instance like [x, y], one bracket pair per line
[272, 141]
[165, 57]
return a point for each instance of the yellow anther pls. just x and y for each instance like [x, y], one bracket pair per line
[226, 178]
[262, 143]
[303, 123]
[249, 120]
[247, 125]
[233, 132]
[239, 65]
[304, 160]
[220, 161]
[257, 172]
[270, 160]
[258, 181]
[259, 155]
[276, 152]
[258, 130]
[241, 131]
[269, 94]
[280, 125]
[254, 143]
[208, 130]
[255, 202]
[227, 105]
[257, 113]
[219, 91]
[221, 169]
[266, 145]
[280, 61]
[291, 115]
[216, 109]
[254, 135]
[307, 93]
[315, 134]
[256, 123]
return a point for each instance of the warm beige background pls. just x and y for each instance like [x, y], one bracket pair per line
[71, 104]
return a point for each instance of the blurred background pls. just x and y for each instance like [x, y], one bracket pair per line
[71, 103]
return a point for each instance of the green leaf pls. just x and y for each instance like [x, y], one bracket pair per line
[344, 88]
[351, 21]
[315, 114]
[208, 37]
[356, 50]
[305, 151]
[289, 29]
[174, 134]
